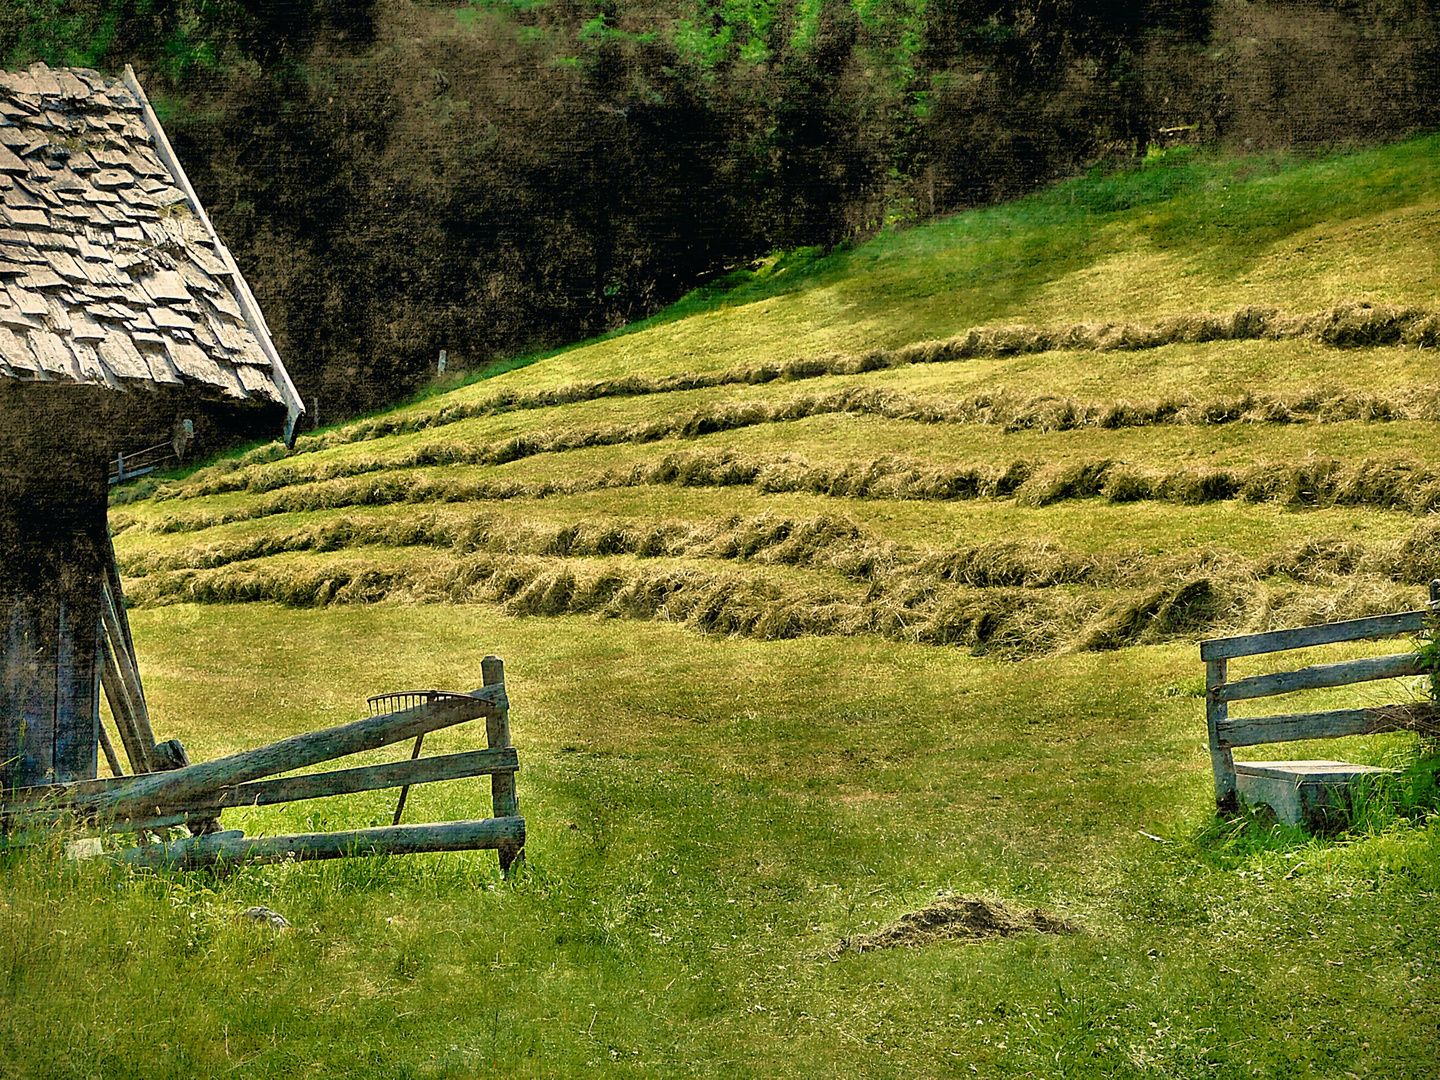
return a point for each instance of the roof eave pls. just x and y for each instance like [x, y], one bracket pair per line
[294, 406]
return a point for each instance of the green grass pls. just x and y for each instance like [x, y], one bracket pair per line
[708, 818]
[794, 645]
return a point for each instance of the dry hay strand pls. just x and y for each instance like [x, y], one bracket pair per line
[957, 918]
[1421, 717]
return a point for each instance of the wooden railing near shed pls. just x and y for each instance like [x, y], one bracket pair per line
[1227, 735]
[181, 793]
[141, 463]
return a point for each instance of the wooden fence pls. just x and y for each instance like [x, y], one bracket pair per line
[141, 463]
[1269, 780]
[168, 793]
[162, 455]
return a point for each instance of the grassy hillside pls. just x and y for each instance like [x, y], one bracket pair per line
[864, 579]
[1207, 379]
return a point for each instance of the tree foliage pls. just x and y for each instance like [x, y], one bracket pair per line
[399, 177]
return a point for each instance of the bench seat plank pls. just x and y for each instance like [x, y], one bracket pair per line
[1310, 793]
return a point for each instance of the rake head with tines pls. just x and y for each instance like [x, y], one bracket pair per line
[397, 701]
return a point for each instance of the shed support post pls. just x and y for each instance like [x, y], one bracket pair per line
[1222, 761]
[502, 785]
[120, 673]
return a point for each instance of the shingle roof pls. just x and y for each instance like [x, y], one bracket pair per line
[110, 271]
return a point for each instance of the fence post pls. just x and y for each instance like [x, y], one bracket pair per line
[1222, 761]
[502, 785]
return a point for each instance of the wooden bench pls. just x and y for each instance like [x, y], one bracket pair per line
[1310, 793]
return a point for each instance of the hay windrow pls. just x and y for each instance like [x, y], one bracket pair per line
[828, 542]
[957, 918]
[1011, 412]
[910, 603]
[1393, 484]
[1349, 324]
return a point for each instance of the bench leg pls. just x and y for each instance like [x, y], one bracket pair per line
[1222, 761]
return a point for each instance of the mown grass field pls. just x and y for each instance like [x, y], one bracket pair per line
[815, 605]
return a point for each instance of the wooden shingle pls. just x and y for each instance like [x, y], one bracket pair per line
[25, 218]
[10, 163]
[84, 328]
[120, 355]
[166, 285]
[44, 80]
[110, 272]
[91, 368]
[29, 302]
[191, 360]
[162, 370]
[16, 319]
[55, 359]
[15, 352]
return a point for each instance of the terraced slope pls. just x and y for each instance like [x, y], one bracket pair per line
[1192, 398]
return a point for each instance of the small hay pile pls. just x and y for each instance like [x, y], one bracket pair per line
[964, 918]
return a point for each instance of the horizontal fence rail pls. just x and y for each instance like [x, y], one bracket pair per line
[48, 804]
[141, 796]
[1319, 677]
[487, 833]
[1291, 727]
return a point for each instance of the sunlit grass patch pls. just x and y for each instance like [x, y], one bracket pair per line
[1220, 233]
[708, 819]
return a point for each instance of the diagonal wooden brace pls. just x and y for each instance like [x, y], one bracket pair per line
[144, 795]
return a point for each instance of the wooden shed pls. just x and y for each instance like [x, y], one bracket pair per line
[120, 312]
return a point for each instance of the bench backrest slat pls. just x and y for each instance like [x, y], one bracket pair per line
[1300, 637]
[1320, 676]
[1288, 727]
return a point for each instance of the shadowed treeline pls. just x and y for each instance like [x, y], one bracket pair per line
[489, 178]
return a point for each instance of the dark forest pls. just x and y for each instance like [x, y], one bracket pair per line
[495, 178]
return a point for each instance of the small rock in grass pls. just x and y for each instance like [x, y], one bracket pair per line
[266, 916]
[88, 848]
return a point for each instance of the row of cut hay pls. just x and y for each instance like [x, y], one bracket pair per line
[1349, 324]
[1393, 484]
[1009, 411]
[828, 542]
[916, 608]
